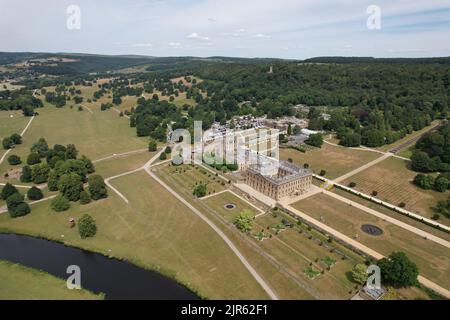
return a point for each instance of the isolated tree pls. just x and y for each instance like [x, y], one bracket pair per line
[244, 221]
[97, 187]
[8, 190]
[14, 160]
[398, 271]
[152, 145]
[70, 185]
[86, 226]
[359, 273]
[35, 193]
[85, 198]
[163, 156]
[200, 190]
[26, 174]
[60, 203]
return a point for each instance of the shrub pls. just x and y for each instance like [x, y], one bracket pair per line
[85, 198]
[322, 173]
[86, 226]
[374, 193]
[402, 204]
[244, 221]
[60, 203]
[168, 149]
[352, 184]
[35, 194]
[200, 190]
[14, 160]
[8, 190]
[359, 273]
[33, 158]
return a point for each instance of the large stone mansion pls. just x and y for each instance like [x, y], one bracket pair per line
[286, 180]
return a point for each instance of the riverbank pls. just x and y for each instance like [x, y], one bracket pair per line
[118, 279]
[20, 282]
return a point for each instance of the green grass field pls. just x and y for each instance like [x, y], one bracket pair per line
[432, 259]
[393, 181]
[154, 231]
[335, 160]
[22, 283]
[95, 135]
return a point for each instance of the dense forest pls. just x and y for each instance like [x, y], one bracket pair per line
[371, 101]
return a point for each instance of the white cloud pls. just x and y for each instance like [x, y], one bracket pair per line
[197, 37]
[262, 35]
[175, 45]
[145, 45]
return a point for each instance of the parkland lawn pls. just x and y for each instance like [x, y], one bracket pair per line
[392, 179]
[22, 283]
[336, 161]
[155, 231]
[432, 259]
[96, 135]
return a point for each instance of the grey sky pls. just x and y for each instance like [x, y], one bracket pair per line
[246, 28]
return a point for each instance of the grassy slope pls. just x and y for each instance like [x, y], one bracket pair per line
[95, 135]
[19, 282]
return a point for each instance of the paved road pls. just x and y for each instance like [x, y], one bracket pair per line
[413, 140]
[230, 244]
[398, 223]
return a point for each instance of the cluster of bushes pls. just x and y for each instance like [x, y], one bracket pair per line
[105, 106]
[9, 142]
[427, 182]
[15, 203]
